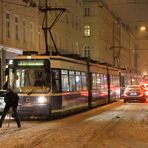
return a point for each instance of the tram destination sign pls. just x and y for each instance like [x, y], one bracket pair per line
[30, 63]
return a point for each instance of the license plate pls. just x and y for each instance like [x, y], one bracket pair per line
[133, 94]
[27, 105]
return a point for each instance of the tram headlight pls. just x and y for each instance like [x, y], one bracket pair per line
[42, 100]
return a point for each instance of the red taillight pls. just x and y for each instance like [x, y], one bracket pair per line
[146, 93]
[84, 93]
[142, 94]
[124, 95]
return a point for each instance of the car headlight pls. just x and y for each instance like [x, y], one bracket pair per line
[42, 99]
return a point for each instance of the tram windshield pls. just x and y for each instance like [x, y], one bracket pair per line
[30, 79]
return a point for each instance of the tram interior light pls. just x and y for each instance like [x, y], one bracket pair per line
[77, 79]
[10, 62]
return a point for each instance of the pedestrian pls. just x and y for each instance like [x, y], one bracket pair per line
[11, 101]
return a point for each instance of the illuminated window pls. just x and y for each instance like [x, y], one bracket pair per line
[86, 30]
[65, 81]
[78, 81]
[84, 84]
[72, 85]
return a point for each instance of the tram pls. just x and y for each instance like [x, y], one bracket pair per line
[51, 86]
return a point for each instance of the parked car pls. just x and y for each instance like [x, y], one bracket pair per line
[145, 87]
[2, 103]
[134, 93]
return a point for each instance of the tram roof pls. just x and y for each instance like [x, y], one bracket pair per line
[50, 58]
[64, 58]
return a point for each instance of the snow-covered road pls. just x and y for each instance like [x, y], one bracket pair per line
[116, 125]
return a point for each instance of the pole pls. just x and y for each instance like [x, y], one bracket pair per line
[89, 85]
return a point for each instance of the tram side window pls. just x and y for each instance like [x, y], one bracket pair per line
[122, 81]
[98, 81]
[78, 81]
[103, 81]
[94, 81]
[111, 80]
[117, 81]
[56, 80]
[65, 81]
[72, 81]
[84, 84]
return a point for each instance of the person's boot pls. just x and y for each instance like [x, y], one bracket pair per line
[0, 124]
[18, 125]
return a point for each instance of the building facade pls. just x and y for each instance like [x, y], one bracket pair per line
[86, 28]
[109, 39]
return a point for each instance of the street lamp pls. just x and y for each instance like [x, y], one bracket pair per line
[142, 28]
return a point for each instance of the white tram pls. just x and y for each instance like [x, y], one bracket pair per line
[50, 86]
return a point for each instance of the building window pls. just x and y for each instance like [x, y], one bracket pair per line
[39, 38]
[72, 20]
[24, 31]
[67, 44]
[7, 25]
[67, 18]
[86, 11]
[87, 30]
[16, 28]
[77, 23]
[31, 33]
[87, 51]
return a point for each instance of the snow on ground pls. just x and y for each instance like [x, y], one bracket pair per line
[116, 125]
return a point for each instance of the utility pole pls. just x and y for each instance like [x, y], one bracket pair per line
[116, 55]
[47, 28]
[44, 8]
[116, 48]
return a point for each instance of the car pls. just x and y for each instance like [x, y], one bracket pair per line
[134, 93]
[145, 87]
[2, 103]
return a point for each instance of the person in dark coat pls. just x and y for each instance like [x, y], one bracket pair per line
[11, 99]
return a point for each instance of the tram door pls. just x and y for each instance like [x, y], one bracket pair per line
[56, 99]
